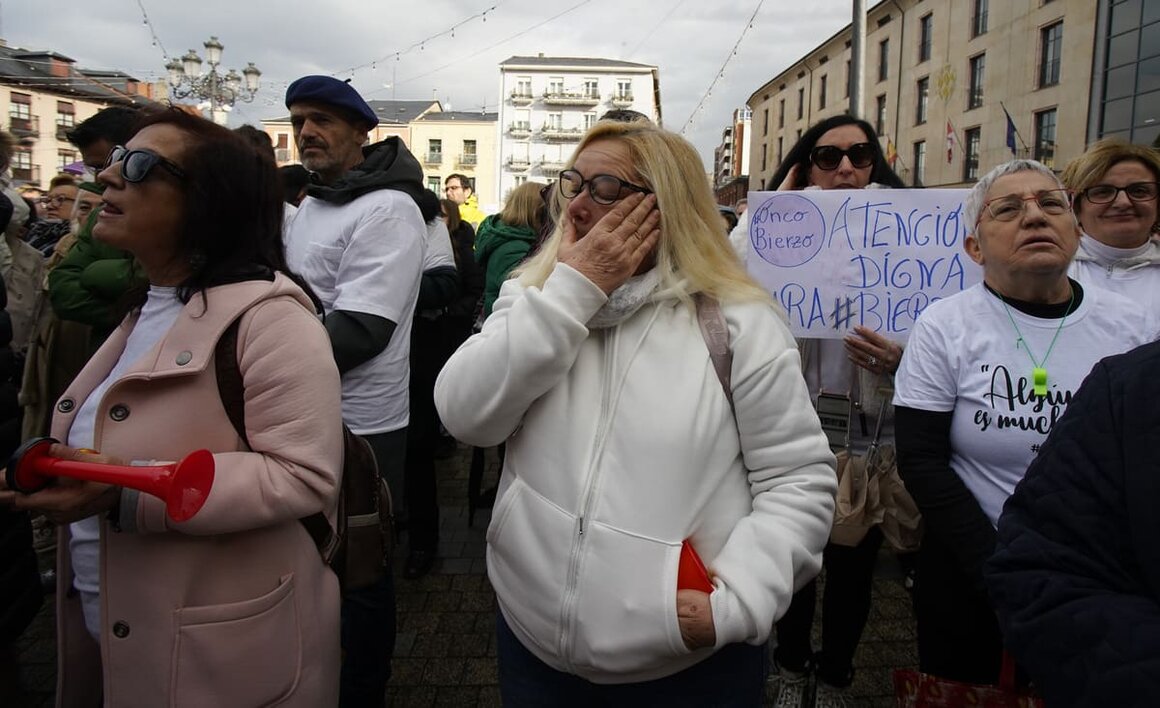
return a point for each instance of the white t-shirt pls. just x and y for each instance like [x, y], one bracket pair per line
[439, 253]
[366, 256]
[962, 357]
[157, 317]
[1131, 272]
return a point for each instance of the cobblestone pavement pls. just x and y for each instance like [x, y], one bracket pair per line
[445, 653]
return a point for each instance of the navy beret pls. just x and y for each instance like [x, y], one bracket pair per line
[332, 92]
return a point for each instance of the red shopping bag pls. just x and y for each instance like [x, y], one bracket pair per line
[914, 689]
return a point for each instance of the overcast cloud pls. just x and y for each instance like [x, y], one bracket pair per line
[286, 39]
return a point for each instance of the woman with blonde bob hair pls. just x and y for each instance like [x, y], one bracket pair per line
[506, 238]
[1115, 198]
[636, 449]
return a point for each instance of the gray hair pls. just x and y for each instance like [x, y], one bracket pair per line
[978, 193]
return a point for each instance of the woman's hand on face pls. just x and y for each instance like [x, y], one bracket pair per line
[872, 351]
[615, 246]
[787, 184]
[695, 617]
[66, 499]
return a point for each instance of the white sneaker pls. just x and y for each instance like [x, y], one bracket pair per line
[793, 688]
[827, 696]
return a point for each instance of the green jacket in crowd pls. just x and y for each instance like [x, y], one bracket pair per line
[499, 248]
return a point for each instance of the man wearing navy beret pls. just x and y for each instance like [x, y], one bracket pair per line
[358, 238]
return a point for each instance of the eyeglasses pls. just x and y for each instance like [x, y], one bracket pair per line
[1107, 193]
[1010, 207]
[57, 201]
[828, 157]
[604, 189]
[137, 164]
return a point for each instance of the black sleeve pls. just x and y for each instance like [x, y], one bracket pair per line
[438, 288]
[357, 337]
[949, 511]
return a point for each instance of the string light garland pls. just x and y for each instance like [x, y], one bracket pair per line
[721, 72]
[156, 40]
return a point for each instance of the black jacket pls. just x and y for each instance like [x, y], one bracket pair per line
[1075, 578]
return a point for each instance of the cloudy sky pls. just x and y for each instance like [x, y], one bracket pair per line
[688, 41]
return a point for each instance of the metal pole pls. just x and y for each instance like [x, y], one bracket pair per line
[858, 59]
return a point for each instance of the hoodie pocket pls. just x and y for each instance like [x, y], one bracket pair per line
[626, 613]
[248, 651]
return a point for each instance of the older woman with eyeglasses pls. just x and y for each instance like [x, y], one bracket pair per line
[1115, 187]
[985, 376]
[635, 446]
[234, 606]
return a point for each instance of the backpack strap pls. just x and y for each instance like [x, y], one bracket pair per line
[232, 391]
[716, 333]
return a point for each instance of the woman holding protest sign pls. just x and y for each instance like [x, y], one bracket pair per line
[986, 374]
[1115, 187]
[849, 382]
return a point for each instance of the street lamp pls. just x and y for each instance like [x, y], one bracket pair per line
[221, 92]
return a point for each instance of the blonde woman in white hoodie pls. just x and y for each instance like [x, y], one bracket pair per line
[627, 451]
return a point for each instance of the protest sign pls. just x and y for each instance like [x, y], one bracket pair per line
[836, 259]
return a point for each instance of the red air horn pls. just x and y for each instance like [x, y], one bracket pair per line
[183, 485]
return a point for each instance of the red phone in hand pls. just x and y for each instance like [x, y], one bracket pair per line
[691, 571]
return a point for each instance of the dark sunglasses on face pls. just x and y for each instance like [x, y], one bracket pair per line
[828, 157]
[137, 164]
[604, 189]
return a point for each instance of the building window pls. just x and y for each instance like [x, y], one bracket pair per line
[1045, 137]
[591, 88]
[555, 85]
[764, 156]
[20, 107]
[801, 102]
[823, 85]
[64, 158]
[520, 179]
[589, 120]
[434, 150]
[779, 152]
[765, 120]
[1050, 54]
[65, 114]
[781, 113]
[849, 79]
[919, 163]
[921, 99]
[979, 18]
[469, 156]
[434, 183]
[880, 114]
[624, 89]
[973, 139]
[799, 134]
[925, 34]
[555, 121]
[975, 88]
[523, 87]
[884, 60]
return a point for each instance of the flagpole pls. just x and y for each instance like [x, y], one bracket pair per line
[1017, 133]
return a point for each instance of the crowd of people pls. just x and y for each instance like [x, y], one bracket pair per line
[674, 462]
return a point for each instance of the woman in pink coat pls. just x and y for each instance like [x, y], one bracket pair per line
[235, 606]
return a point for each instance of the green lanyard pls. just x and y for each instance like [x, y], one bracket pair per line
[1039, 373]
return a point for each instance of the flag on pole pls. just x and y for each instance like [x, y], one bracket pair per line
[950, 141]
[891, 153]
[1010, 133]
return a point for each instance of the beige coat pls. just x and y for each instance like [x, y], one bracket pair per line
[235, 606]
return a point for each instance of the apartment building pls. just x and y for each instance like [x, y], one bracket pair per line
[46, 95]
[395, 118]
[730, 177]
[941, 77]
[458, 142]
[547, 103]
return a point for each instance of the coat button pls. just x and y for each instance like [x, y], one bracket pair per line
[120, 630]
[184, 358]
[119, 412]
[66, 405]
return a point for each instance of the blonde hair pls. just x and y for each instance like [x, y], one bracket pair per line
[692, 256]
[524, 207]
[1089, 168]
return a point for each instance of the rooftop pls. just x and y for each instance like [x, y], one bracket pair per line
[578, 62]
[473, 116]
[46, 70]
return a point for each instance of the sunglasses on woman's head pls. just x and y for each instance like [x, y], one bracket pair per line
[828, 157]
[137, 164]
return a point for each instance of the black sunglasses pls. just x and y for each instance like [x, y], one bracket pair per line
[828, 157]
[604, 189]
[137, 164]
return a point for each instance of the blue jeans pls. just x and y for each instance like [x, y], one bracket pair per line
[368, 614]
[734, 676]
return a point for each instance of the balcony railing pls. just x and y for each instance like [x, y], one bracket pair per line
[571, 98]
[522, 98]
[433, 158]
[26, 174]
[467, 160]
[558, 134]
[550, 168]
[518, 164]
[520, 129]
[621, 100]
[24, 127]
